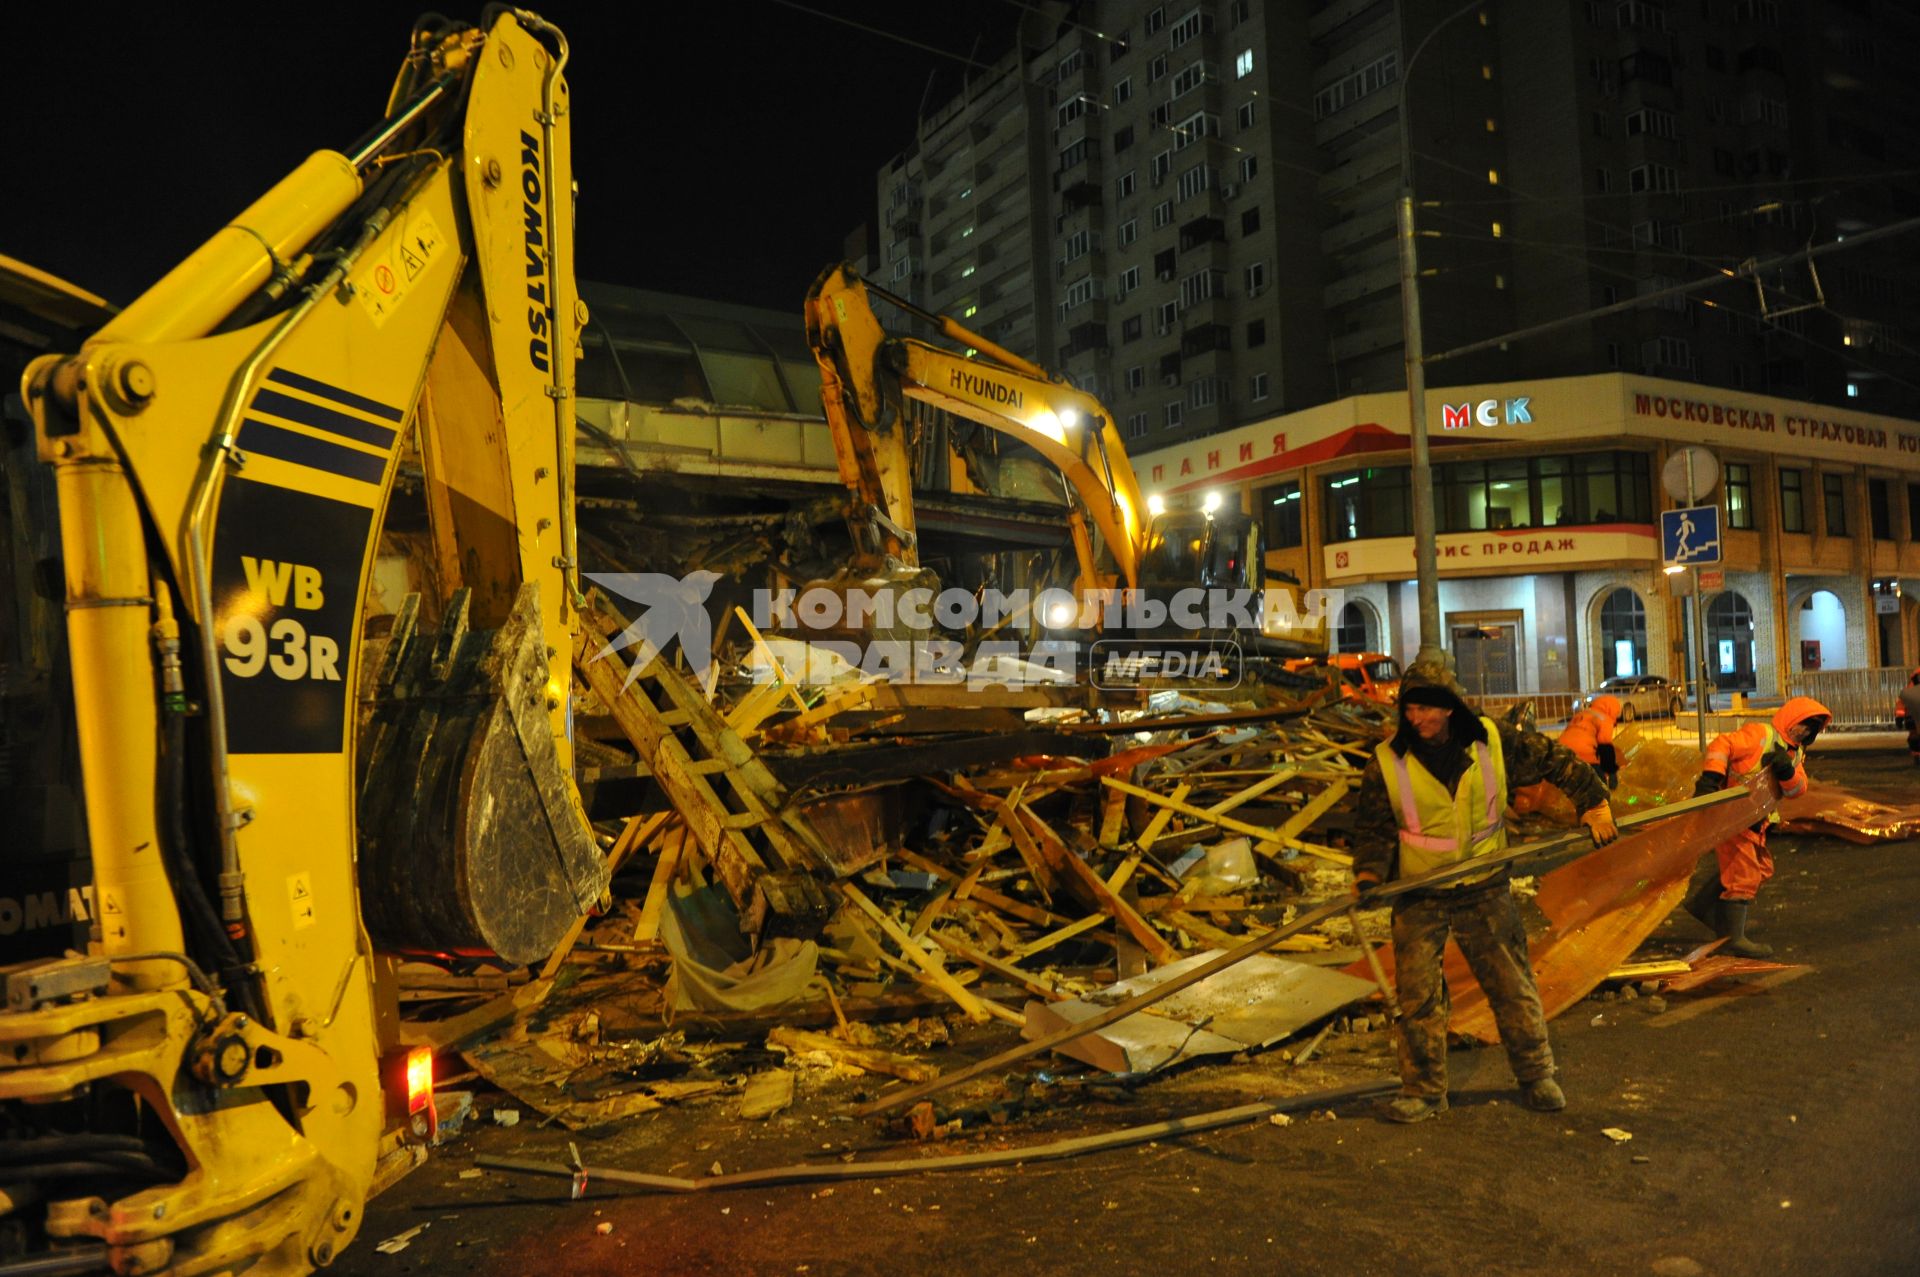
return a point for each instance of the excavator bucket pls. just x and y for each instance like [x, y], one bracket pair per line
[471, 842]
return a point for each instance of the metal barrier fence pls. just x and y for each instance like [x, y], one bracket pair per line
[1548, 707]
[1859, 699]
[1551, 710]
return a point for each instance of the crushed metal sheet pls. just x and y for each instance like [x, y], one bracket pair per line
[1839, 813]
[1254, 1004]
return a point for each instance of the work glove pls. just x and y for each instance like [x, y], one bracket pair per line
[1780, 763]
[1709, 783]
[1599, 823]
[1611, 776]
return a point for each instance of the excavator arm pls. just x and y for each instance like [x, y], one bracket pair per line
[866, 376]
[224, 451]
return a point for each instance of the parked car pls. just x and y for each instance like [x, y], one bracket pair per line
[1372, 676]
[1642, 696]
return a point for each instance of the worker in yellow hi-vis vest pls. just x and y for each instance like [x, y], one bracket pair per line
[1435, 796]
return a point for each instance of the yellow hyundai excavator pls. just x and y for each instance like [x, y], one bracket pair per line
[866, 376]
[283, 794]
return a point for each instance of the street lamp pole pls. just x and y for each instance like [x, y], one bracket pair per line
[1425, 553]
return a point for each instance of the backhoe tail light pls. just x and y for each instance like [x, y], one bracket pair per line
[421, 1114]
[419, 1079]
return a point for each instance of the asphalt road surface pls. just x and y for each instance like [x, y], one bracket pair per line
[1774, 1129]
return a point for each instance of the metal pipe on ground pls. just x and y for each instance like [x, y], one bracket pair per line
[962, 1162]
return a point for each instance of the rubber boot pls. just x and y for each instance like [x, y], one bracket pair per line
[1735, 912]
[1704, 902]
[1543, 1095]
[1414, 1108]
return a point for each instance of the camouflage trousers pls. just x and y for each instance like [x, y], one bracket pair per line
[1486, 924]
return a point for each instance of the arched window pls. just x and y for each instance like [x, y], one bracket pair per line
[1623, 635]
[1730, 642]
[1356, 631]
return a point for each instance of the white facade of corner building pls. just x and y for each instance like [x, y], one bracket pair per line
[1548, 584]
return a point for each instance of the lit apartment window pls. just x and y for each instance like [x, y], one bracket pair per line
[1493, 177]
[1498, 230]
[1243, 64]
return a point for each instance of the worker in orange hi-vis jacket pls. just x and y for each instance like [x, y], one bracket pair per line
[1906, 713]
[1721, 900]
[1589, 734]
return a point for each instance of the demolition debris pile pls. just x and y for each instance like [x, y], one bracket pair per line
[792, 857]
[835, 875]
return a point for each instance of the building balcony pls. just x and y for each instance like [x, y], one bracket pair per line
[1359, 231]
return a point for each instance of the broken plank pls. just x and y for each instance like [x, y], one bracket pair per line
[1074, 869]
[1027, 980]
[919, 956]
[1255, 832]
[1158, 822]
[1251, 792]
[870, 1059]
[773, 662]
[984, 895]
[672, 847]
[1067, 932]
[636, 833]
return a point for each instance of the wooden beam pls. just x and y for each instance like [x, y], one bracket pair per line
[1255, 832]
[1027, 980]
[773, 662]
[1158, 822]
[665, 866]
[1073, 869]
[941, 977]
[984, 895]
[637, 831]
[1067, 932]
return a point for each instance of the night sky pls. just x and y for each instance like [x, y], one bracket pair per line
[723, 148]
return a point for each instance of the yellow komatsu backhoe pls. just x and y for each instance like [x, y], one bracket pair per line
[866, 377]
[283, 795]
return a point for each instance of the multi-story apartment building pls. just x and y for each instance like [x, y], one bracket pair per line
[1188, 205]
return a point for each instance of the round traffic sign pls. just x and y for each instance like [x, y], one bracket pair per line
[1706, 474]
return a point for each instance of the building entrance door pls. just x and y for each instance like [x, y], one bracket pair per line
[1890, 653]
[1487, 657]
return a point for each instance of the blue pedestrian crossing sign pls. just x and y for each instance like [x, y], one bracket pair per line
[1691, 536]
